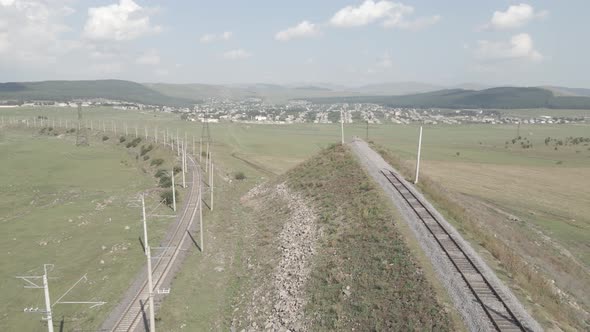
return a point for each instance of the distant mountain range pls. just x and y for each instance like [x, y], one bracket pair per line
[502, 97]
[67, 90]
[403, 94]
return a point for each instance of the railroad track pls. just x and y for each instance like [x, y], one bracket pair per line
[136, 310]
[501, 318]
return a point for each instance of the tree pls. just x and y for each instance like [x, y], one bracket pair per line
[166, 196]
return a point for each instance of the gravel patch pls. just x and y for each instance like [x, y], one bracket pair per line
[474, 317]
[279, 303]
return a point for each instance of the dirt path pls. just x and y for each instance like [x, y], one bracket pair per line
[474, 317]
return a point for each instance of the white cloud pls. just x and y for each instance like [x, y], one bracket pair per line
[301, 30]
[416, 24]
[368, 12]
[206, 38]
[515, 16]
[123, 21]
[236, 54]
[211, 37]
[385, 61]
[519, 47]
[150, 57]
[104, 70]
[31, 31]
[382, 64]
[391, 14]
[161, 72]
[226, 35]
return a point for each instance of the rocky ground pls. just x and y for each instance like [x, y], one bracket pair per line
[278, 299]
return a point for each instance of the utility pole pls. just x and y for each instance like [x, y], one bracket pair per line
[205, 138]
[30, 283]
[193, 145]
[156, 135]
[126, 130]
[201, 210]
[149, 270]
[81, 134]
[200, 150]
[518, 129]
[367, 129]
[342, 127]
[418, 158]
[47, 299]
[177, 144]
[135, 131]
[207, 159]
[212, 175]
[146, 132]
[173, 192]
[182, 161]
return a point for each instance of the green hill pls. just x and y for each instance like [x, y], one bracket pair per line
[108, 89]
[503, 97]
[198, 92]
[270, 93]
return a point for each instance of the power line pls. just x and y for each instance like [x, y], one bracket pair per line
[31, 282]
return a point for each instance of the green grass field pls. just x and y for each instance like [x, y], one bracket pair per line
[76, 208]
[480, 151]
[546, 189]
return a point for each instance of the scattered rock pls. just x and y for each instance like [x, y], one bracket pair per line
[513, 218]
[297, 244]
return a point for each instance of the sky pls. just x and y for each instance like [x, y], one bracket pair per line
[343, 42]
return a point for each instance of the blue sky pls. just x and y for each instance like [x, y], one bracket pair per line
[342, 42]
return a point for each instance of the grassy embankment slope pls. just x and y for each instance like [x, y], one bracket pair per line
[361, 247]
[76, 208]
